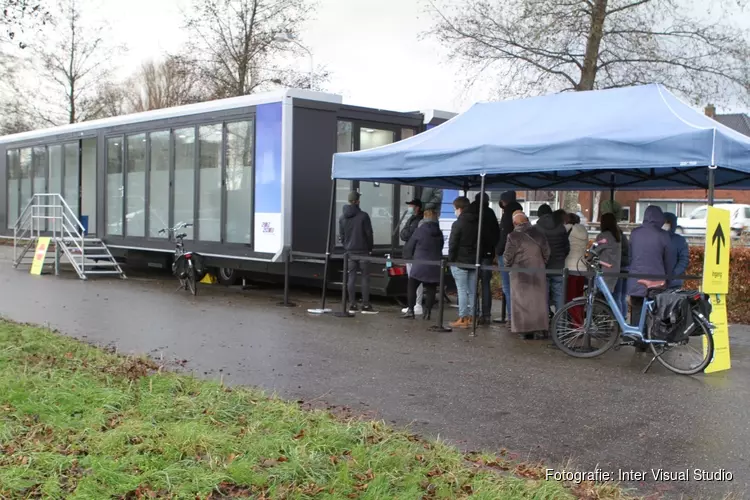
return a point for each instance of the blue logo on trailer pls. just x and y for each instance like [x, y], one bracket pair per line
[268, 188]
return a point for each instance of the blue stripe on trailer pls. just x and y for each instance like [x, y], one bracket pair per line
[268, 158]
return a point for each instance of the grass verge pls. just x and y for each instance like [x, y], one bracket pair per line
[78, 422]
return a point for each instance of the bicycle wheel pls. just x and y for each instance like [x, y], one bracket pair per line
[569, 333]
[695, 352]
[192, 285]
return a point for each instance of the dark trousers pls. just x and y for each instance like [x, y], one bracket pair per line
[486, 284]
[636, 306]
[358, 265]
[429, 294]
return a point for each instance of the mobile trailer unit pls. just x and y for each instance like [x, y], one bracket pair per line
[251, 173]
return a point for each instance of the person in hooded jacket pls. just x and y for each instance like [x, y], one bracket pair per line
[510, 206]
[426, 244]
[490, 239]
[679, 247]
[355, 232]
[414, 209]
[578, 239]
[432, 199]
[557, 238]
[651, 252]
[462, 249]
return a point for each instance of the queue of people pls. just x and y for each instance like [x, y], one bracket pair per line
[558, 240]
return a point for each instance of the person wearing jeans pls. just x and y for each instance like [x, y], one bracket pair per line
[355, 232]
[509, 205]
[505, 276]
[462, 249]
[551, 226]
[490, 239]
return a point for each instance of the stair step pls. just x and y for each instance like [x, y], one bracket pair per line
[103, 272]
[99, 264]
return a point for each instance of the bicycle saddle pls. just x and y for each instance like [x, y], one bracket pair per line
[652, 284]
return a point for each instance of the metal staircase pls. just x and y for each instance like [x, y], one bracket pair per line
[47, 214]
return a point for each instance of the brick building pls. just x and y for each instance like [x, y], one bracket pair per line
[680, 202]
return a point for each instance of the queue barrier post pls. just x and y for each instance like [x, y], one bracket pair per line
[441, 305]
[344, 313]
[287, 259]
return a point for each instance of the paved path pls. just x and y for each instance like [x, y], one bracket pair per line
[489, 393]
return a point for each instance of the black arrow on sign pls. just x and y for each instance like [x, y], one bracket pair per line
[718, 240]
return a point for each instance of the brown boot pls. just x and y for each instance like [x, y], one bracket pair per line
[458, 323]
[468, 322]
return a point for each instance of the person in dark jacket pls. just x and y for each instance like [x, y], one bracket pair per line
[510, 205]
[462, 249]
[559, 245]
[426, 244]
[490, 239]
[679, 247]
[414, 209]
[355, 230]
[650, 253]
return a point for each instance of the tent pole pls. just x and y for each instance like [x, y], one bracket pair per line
[477, 262]
[331, 211]
[612, 186]
[711, 184]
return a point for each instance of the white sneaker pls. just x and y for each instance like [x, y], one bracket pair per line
[417, 310]
[403, 311]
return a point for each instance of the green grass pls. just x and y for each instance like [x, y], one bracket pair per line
[78, 422]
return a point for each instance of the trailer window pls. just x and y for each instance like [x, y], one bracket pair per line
[209, 196]
[377, 198]
[56, 177]
[158, 200]
[26, 187]
[135, 216]
[38, 173]
[71, 175]
[14, 177]
[344, 144]
[239, 181]
[114, 186]
[184, 177]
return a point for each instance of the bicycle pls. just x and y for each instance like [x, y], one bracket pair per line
[182, 266]
[604, 324]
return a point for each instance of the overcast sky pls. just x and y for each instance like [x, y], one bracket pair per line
[372, 47]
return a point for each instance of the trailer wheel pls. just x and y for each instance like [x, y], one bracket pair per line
[227, 276]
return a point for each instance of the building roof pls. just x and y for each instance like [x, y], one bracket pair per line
[738, 121]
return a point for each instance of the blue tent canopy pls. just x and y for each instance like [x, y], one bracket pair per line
[631, 138]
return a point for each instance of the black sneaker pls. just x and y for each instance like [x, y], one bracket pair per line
[368, 310]
[354, 308]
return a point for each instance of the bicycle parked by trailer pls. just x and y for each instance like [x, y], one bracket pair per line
[673, 324]
[186, 266]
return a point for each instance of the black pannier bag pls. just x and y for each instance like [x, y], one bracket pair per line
[199, 264]
[180, 267]
[674, 314]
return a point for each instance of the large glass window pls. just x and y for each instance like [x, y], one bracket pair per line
[209, 196]
[39, 175]
[377, 198]
[14, 178]
[114, 186]
[184, 177]
[26, 188]
[135, 213]
[344, 144]
[56, 178]
[158, 214]
[238, 181]
[88, 182]
[71, 176]
[666, 206]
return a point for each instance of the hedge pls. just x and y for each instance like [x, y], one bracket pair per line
[738, 300]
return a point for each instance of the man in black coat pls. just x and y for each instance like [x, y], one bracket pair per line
[355, 232]
[559, 246]
[490, 239]
[510, 205]
[416, 216]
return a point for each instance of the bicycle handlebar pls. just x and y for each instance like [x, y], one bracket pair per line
[179, 225]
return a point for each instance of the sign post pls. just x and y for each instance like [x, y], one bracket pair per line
[39, 255]
[716, 283]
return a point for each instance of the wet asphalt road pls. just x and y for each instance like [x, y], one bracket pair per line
[489, 393]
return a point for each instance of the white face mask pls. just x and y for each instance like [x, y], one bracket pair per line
[457, 212]
[410, 210]
[666, 227]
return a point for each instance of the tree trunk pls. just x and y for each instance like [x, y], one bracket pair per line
[595, 206]
[591, 59]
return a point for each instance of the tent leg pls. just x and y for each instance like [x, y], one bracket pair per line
[477, 262]
[711, 184]
[331, 211]
[612, 187]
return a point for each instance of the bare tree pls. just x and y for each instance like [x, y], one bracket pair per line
[74, 67]
[536, 46]
[172, 82]
[18, 15]
[236, 42]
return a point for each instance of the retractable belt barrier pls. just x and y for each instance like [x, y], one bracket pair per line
[311, 257]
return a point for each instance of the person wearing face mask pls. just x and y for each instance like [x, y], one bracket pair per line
[462, 249]
[679, 247]
[414, 210]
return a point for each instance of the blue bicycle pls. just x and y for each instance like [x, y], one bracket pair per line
[589, 326]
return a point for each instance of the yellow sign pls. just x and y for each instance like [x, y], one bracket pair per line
[721, 360]
[716, 262]
[41, 252]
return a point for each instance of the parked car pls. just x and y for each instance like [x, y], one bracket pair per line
[695, 223]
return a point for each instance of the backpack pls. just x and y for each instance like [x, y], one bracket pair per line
[673, 314]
